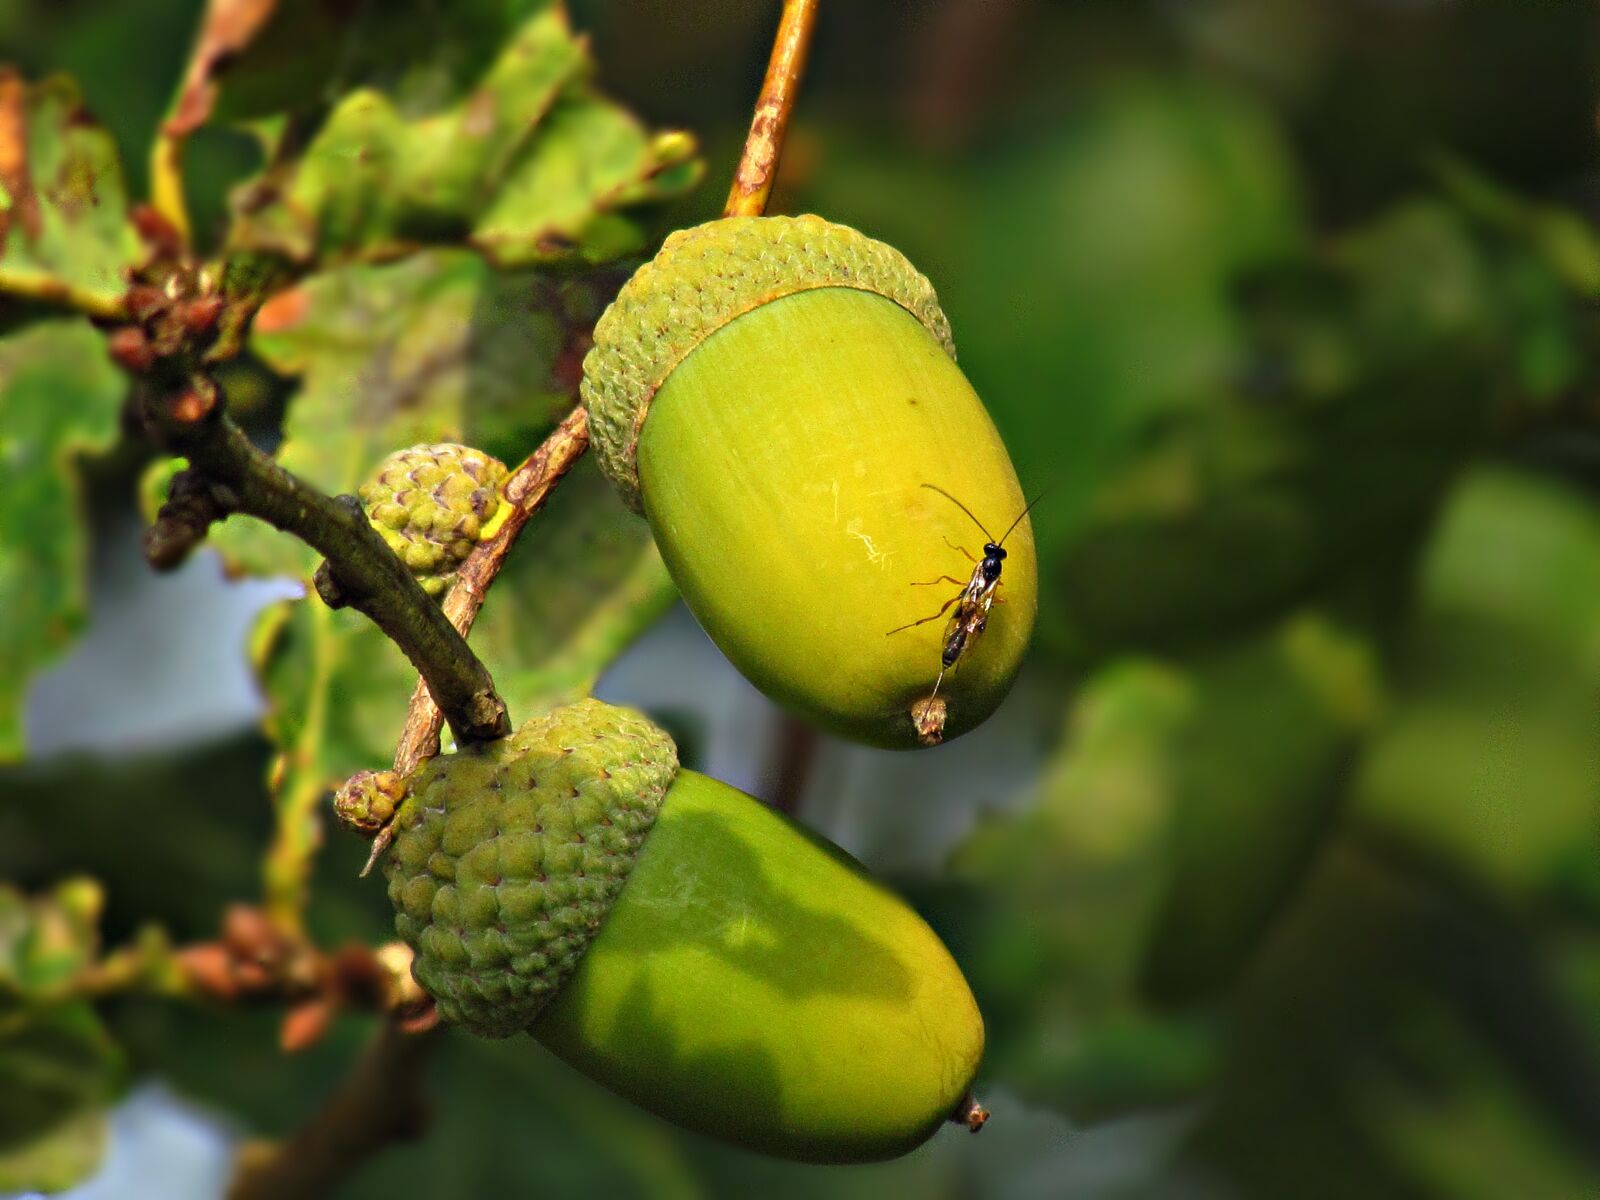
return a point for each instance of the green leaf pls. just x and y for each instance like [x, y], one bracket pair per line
[1370, 376]
[1073, 888]
[59, 397]
[61, 1072]
[259, 58]
[1487, 761]
[1183, 803]
[1458, 1119]
[529, 165]
[46, 942]
[584, 581]
[1093, 850]
[1263, 764]
[63, 212]
[60, 1068]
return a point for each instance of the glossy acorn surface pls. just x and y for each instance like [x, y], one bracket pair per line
[781, 458]
[753, 982]
[798, 531]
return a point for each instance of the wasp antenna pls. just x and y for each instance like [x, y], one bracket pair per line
[936, 488]
[1038, 497]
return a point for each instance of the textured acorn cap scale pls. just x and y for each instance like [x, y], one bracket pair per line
[775, 393]
[509, 854]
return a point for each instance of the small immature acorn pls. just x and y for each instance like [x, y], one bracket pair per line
[368, 800]
[678, 941]
[433, 504]
[774, 394]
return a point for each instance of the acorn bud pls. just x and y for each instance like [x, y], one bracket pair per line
[367, 801]
[779, 397]
[678, 941]
[433, 504]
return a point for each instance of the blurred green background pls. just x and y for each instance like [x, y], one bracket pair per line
[1279, 876]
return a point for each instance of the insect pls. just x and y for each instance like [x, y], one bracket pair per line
[977, 595]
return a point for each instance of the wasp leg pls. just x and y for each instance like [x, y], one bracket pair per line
[967, 554]
[925, 620]
[941, 579]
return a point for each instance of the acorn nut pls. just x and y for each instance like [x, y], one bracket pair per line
[779, 397]
[433, 504]
[678, 941]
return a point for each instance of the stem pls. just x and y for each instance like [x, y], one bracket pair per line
[369, 576]
[970, 1113]
[758, 165]
[378, 1103]
[797, 746]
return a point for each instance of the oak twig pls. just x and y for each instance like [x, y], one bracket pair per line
[370, 577]
[380, 1102]
[758, 165]
[254, 961]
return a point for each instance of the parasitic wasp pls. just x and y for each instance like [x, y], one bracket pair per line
[977, 595]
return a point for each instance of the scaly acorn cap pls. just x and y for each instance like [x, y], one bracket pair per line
[508, 856]
[432, 504]
[702, 279]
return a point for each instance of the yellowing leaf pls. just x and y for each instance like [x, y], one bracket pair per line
[63, 210]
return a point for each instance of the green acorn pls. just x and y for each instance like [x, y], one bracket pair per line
[678, 941]
[779, 397]
[433, 504]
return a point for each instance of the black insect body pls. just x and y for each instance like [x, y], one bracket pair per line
[976, 597]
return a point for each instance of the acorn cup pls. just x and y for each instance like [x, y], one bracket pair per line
[779, 397]
[677, 941]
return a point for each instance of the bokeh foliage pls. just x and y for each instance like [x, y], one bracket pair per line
[1292, 306]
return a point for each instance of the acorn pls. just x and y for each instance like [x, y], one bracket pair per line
[779, 397]
[678, 941]
[432, 504]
